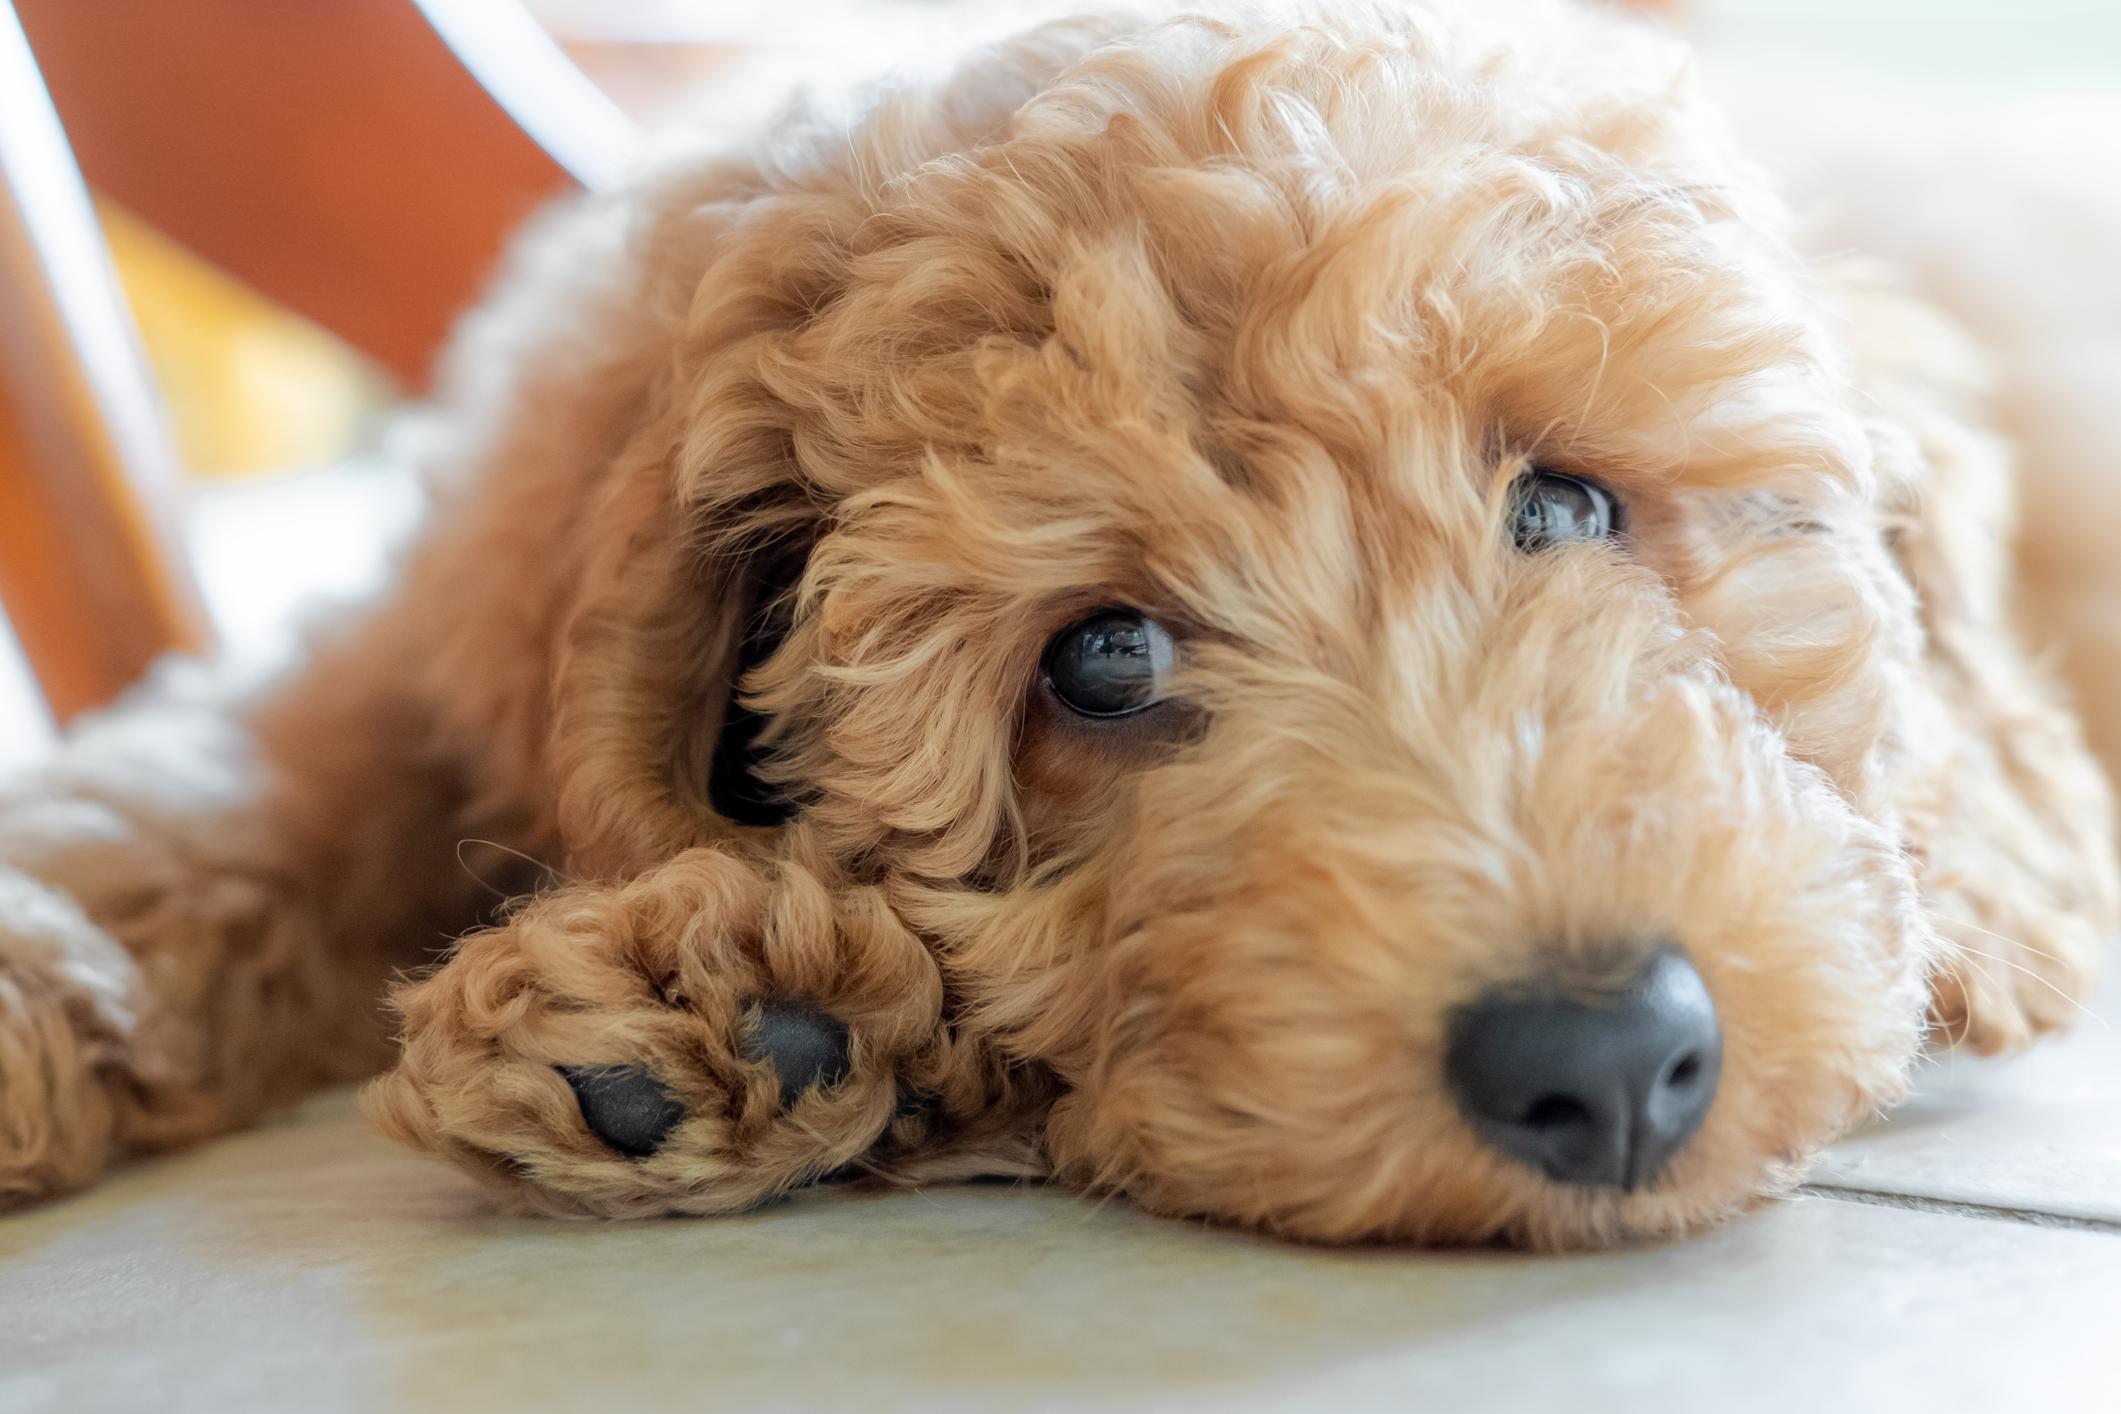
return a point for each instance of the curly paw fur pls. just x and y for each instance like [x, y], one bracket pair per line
[603, 1052]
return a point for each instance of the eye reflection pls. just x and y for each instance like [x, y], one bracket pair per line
[1552, 508]
[1111, 664]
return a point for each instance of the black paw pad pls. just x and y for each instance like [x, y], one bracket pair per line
[805, 1046]
[625, 1106]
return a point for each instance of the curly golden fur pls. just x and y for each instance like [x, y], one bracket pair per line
[1244, 320]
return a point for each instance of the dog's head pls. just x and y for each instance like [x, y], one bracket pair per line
[1329, 570]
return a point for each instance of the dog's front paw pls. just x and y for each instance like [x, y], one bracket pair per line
[700, 1040]
[633, 1112]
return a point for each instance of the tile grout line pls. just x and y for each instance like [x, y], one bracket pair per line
[1942, 1207]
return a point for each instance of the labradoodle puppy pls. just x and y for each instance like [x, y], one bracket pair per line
[1312, 621]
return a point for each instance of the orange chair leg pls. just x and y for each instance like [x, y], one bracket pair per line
[90, 574]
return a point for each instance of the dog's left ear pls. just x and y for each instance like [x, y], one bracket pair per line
[2006, 815]
[1927, 707]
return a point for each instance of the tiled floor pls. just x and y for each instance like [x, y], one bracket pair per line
[1965, 1256]
[2038, 1136]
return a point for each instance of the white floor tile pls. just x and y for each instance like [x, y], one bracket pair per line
[2041, 1131]
[312, 1266]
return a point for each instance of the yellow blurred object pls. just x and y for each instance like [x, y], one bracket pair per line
[250, 388]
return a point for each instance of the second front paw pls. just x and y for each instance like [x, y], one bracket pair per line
[700, 1040]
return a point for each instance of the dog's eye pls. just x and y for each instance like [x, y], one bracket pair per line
[1548, 508]
[1110, 664]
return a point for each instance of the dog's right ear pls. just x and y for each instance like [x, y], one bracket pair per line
[654, 749]
[737, 787]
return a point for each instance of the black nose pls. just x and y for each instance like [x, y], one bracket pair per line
[1592, 1088]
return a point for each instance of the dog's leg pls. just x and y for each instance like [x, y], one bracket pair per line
[199, 901]
[701, 1039]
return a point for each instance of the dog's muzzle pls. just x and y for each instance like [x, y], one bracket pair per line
[1592, 1088]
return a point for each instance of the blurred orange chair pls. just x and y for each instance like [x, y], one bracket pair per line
[359, 162]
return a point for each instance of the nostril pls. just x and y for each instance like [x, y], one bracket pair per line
[1554, 1112]
[1684, 1072]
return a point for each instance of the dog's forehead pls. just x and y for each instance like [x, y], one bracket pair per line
[1303, 232]
[1346, 277]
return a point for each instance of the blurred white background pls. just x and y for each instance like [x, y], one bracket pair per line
[1981, 42]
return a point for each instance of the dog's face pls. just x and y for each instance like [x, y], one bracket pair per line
[1341, 597]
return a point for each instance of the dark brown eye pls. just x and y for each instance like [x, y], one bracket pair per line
[1550, 508]
[1113, 663]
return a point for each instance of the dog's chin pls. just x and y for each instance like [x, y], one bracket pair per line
[1437, 1185]
[1347, 1131]
[1302, 1094]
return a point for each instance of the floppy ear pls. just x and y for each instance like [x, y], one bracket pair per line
[737, 788]
[2005, 813]
[699, 521]
[1886, 648]
[654, 747]
[654, 552]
